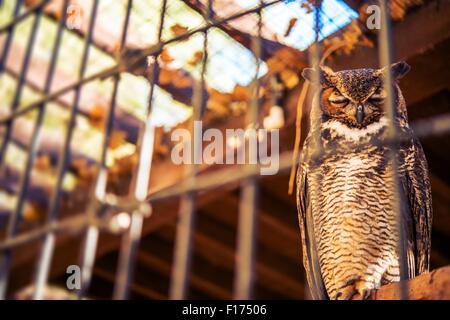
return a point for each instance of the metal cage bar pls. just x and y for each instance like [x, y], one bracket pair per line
[186, 216]
[44, 261]
[385, 51]
[23, 72]
[14, 219]
[248, 204]
[33, 146]
[132, 64]
[140, 183]
[87, 255]
[9, 37]
[91, 223]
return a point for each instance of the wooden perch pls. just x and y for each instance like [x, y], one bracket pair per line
[434, 285]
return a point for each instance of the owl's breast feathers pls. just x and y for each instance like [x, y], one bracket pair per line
[345, 203]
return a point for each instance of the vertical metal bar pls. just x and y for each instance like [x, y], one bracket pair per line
[248, 206]
[314, 54]
[20, 82]
[5, 259]
[385, 57]
[140, 183]
[44, 262]
[91, 236]
[35, 138]
[186, 216]
[9, 37]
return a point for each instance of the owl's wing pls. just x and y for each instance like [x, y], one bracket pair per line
[310, 258]
[417, 188]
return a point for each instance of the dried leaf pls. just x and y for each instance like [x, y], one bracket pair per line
[30, 3]
[217, 108]
[289, 78]
[178, 29]
[160, 148]
[275, 65]
[241, 93]
[165, 56]
[33, 212]
[82, 168]
[126, 164]
[196, 58]
[220, 97]
[291, 25]
[117, 138]
[166, 75]
[307, 6]
[238, 107]
[181, 80]
[43, 163]
[97, 114]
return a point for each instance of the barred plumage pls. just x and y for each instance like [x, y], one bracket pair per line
[348, 225]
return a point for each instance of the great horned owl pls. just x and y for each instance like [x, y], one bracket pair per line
[345, 202]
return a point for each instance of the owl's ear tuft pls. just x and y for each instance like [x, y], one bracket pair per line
[400, 69]
[325, 74]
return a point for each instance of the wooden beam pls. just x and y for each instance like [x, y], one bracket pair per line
[270, 40]
[197, 280]
[266, 276]
[271, 263]
[135, 287]
[419, 31]
[272, 233]
[434, 285]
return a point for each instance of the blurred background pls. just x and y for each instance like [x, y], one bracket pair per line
[421, 36]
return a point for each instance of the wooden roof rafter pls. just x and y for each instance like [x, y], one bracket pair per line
[222, 8]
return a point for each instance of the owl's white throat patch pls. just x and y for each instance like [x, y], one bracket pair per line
[355, 134]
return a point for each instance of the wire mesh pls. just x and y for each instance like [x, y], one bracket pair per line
[136, 203]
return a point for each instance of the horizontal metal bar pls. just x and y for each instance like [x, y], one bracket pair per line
[73, 224]
[424, 128]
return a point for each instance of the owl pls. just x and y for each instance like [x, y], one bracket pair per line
[345, 182]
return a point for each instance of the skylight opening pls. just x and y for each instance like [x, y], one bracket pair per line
[276, 18]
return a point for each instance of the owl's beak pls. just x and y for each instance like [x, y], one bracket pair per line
[360, 113]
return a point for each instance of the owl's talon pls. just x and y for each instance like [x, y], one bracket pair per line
[346, 293]
[365, 294]
[363, 289]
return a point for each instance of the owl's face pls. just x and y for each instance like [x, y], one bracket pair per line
[354, 97]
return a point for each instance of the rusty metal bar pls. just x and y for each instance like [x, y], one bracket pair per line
[44, 262]
[140, 182]
[5, 260]
[186, 216]
[32, 149]
[314, 55]
[92, 233]
[385, 51]
[248, 204]
[130, 65]
[9, 37]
